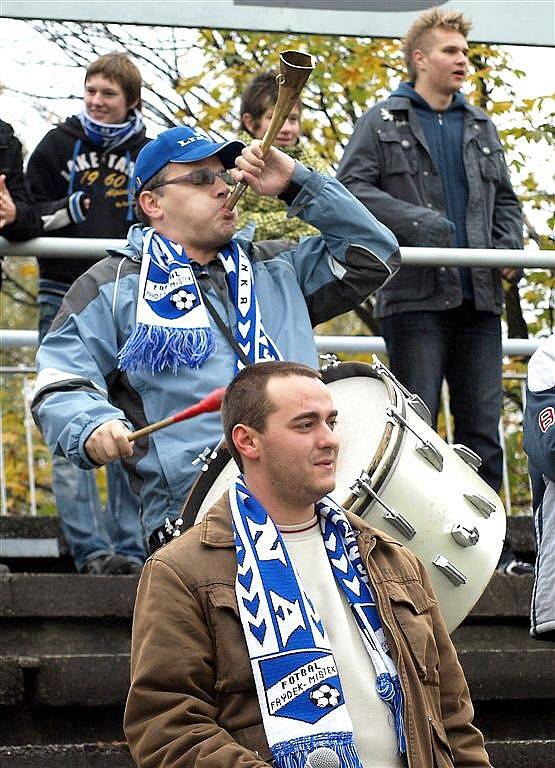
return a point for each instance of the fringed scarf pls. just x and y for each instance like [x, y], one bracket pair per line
[297, 681]
[173, 327]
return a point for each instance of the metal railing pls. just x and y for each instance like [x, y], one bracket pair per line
[437, 257]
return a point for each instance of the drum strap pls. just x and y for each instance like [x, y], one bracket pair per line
[223, 327]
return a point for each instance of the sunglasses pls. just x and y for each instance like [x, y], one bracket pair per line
[200, 177]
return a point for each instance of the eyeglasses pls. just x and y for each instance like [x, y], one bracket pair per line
[200, 177]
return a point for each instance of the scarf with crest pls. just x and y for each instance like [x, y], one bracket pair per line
[173, 327]
[297, 682]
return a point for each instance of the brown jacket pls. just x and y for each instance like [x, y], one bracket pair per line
[193, 701]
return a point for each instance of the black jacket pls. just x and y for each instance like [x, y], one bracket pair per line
[28, 222]
[66, 161]
[387, 165]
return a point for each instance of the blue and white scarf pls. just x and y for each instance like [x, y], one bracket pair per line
[111, 135]
[296, 677]
[173, 327]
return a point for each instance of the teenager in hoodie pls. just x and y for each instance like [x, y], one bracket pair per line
[90, 157]
[431, 167]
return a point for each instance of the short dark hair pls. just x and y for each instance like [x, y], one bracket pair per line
[246, 398]
[158, 178]
[119, 68]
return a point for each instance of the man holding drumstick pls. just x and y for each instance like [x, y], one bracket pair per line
[158, 325]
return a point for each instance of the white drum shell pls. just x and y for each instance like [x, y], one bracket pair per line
[432, 501]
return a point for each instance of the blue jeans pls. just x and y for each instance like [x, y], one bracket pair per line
[463, 346]
[89, 530]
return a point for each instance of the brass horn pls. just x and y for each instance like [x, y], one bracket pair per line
[295, 69]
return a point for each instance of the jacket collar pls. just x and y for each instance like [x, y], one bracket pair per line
[397, 103]
[216, 530]
[134, 248]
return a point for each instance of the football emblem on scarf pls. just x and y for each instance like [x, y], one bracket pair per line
[325, 696]
[183, 300]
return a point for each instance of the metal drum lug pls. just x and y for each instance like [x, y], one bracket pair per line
[466, 537]
[401, 523]
[431, 454]
[420, 408]
[425, 449]
[393, 518]
[330, 360]
[484, 506]
[449, 570]
[207, 456]
[467, 455]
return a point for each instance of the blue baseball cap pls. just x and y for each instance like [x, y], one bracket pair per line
[181, 145]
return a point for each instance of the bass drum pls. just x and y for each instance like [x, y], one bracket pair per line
[396, 473]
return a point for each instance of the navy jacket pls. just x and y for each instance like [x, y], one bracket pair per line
[388, 165]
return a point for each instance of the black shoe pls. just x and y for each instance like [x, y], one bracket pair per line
[510, 564]
[106, 565]
[518, 567]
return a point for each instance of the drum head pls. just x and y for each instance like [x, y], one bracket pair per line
[361, 398]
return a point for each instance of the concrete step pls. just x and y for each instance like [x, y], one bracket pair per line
[66, 595]
[97, 755]
[503, 754]
[84, 680]
[74, 595]
[38, 544]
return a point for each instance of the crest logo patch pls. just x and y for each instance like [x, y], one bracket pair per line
[546, 418]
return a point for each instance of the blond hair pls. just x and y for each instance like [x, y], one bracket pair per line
[433, 18]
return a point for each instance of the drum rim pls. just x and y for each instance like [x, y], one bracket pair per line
[389, 446]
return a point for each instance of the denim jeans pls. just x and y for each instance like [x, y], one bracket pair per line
[89, 530]
[463, 346]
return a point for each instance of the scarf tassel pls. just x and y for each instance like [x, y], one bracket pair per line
[389, 690]
[155, 348]
[295, 753]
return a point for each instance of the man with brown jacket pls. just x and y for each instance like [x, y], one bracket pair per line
[283, 631]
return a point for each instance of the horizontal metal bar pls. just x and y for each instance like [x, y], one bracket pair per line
[95, 248]
[370, 344]
[352, 344]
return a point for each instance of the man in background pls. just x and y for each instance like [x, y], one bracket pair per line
[431, 167]
[161, 323]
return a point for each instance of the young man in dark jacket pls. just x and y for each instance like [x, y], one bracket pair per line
[91, 156]
[431, 167]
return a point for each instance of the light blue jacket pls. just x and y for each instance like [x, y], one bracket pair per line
[79, 386]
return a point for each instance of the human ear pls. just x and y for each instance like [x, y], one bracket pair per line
[249, 123]
[245, 440]
[150, 204]
[419, 59]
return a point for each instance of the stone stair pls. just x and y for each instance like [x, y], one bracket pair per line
[64, 661]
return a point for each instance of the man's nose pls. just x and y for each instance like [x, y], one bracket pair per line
[328, 437]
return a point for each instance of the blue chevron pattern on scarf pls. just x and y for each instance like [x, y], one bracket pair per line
[296, 676]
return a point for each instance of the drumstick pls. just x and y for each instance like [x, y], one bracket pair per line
[208, 404]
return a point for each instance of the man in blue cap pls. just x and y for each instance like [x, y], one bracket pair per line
[158, 325]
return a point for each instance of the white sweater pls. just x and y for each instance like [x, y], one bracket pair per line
[373, 726]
